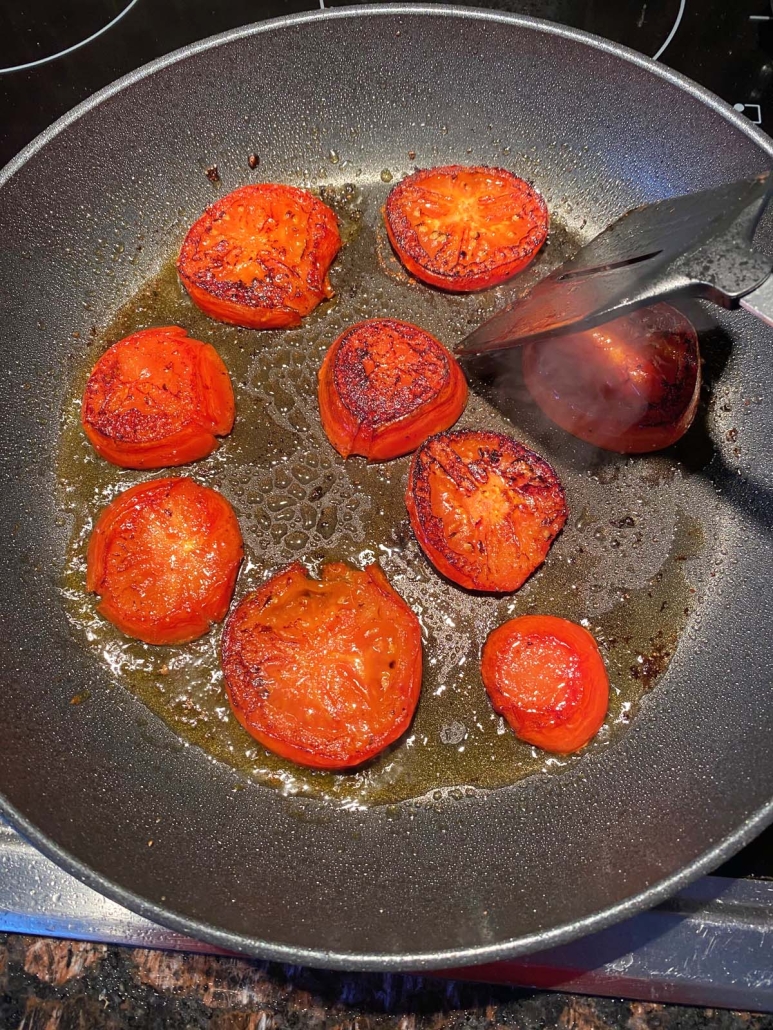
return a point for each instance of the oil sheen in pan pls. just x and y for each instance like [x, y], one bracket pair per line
[628, 565]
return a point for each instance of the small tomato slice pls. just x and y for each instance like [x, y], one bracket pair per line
[385, 386]
[324, 672]
[545, 675]
[164, 556]
[157, 398]
[259, 257]
[631, 385]
[484, 508]
[462, 229]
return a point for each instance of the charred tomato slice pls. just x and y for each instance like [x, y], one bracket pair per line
[465, 228]
[157, 398]
[259, 257]
[484, 508]
[385, 386]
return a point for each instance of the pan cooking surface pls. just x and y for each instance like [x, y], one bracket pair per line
[631, 564]
[325, 870]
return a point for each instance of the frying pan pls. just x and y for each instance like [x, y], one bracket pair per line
[92, 210]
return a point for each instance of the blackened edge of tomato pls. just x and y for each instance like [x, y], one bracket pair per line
[263, 296]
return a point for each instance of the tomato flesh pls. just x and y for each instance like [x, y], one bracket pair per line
[325, 672]
[259, 257]
[465, 228]
[484, 508]
[164, 557]
[157, 398]
[385, 386]
[632, 385]
[546, 676]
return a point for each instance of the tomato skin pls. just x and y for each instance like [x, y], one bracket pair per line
[157, 398]
[259, 256]
[631, 386]
[324, 672]
[484, 508]
[545, 675]
[164, 556]
[385, 386]
[432, 218]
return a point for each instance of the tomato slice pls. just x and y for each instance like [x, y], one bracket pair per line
[324, 672]
[545, 675]
[385, 386]
[163, 557]
[484, 508]
[464, 229]
[631, 385]
[259, 257]
[157, 398]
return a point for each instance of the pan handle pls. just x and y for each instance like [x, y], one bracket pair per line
[760, 301]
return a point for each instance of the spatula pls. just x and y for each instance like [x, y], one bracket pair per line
[699, 245]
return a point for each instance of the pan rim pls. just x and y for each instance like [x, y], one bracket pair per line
[423, 960]
[397, 10]
[445, 959]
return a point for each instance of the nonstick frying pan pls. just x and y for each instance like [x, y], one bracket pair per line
[96, 206]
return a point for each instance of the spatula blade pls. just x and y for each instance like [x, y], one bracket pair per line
[698, 244]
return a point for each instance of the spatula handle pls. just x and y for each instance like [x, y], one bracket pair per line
[760, 301]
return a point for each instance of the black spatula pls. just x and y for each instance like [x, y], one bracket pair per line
[697, 245]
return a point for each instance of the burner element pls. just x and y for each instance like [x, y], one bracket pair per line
[39, 31]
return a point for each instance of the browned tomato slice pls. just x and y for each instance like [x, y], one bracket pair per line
[259, 257]
[157, 398]
[164, 556]
[484, 508]
[547, 677]
[385, 386]
[325, 672]
[631, 385]
[462, 229]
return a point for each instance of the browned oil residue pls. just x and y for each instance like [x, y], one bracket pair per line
[613, 567]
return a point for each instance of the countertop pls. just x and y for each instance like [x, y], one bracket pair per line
[49, 984]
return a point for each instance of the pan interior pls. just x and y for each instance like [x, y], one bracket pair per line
[160, 812]
[631, 564]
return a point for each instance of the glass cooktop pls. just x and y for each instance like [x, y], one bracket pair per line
[63, 50]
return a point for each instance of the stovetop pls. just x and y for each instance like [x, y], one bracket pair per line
[55, 53]
[727, 47]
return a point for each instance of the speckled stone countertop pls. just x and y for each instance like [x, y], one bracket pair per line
[66, 985]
